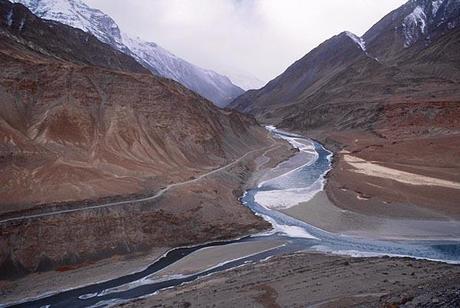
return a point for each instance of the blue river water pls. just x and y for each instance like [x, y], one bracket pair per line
[448, 251]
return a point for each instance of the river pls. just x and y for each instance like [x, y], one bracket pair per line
[293, 181]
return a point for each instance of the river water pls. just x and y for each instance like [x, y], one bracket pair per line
[290, 183]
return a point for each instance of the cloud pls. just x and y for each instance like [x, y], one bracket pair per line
[262, 37]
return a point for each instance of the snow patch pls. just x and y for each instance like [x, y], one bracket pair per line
[9, 18]
[451, 25]
[21, 25]
[435, 7]
[358, 40]
[414, 26]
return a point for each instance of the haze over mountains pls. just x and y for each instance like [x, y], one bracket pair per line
[209, 84]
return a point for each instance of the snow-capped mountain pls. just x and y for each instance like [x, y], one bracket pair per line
[211, 85]
[416, 22]
[413, 26]
[77, 14]
[403, 53]
[428, 16]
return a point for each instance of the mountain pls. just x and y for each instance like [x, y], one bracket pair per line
[389, 99]
[75, 13]
[412, 45]
[84, 124]
[307, 74]
[413, 26]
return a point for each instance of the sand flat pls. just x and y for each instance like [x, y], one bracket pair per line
[373, 169]
[210, 257]
[322, 213]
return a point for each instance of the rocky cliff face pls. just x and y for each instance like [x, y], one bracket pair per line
[75, 13]
[306, 75]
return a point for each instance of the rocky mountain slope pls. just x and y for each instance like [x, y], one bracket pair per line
[209, 84]
[395, 91]
[415, 43]
[82, 121]
[63, 107]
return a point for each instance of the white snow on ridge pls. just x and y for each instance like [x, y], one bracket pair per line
[414, 26]
[358, 40]
[361, 44]
[436, 5]
[75, 13]
[78, 15]
[9, 18]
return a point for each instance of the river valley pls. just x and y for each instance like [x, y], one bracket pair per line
[289, 184]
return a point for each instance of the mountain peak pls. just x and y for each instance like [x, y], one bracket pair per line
[77, 14]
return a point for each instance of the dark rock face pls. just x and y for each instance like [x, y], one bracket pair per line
[409, 56]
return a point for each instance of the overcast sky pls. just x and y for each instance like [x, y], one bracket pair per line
[262, 37]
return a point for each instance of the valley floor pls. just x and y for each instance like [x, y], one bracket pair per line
[319, 280]
[302, 278]
[388, 189]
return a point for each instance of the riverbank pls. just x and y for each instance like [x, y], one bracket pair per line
[69, 277]
[367, 193]
[305, 279]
